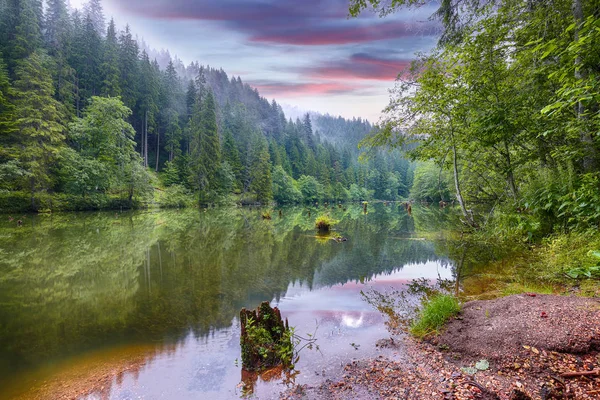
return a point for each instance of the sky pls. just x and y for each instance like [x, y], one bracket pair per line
[303, 53]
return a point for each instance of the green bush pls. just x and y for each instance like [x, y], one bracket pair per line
[434, 313]
[176, 196]
[16, 202]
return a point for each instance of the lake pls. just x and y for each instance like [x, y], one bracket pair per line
[156, 295]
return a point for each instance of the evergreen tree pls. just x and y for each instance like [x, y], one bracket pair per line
[41, 133]
[26, 37]
[110, 63]
[94, 9]
[128, 57]
[58, 33]
[308, 132]
[262, 184]
[232, 156]
[206, 148]
[7, 110]
[148, 103]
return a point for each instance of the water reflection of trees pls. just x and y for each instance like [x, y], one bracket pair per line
[70, 283]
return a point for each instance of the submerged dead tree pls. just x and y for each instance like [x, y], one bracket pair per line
[266, 340]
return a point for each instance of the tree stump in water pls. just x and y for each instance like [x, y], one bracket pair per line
[266, 340]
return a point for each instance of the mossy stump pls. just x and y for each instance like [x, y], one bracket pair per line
[265, 339]
[324, 223]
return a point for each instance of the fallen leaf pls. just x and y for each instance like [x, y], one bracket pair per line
[536, 351]
[482, 365]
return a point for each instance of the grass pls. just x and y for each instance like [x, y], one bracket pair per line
[434, 313]
[518, 288]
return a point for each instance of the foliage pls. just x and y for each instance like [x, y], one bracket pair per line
[508, 104]
[284, 188]
[589, 271]
[176, 196]
[434, 313]
[310, 188]
[430, 183]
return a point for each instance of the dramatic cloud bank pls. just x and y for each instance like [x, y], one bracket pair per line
[309, 52]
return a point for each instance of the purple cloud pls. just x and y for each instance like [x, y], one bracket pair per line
[306, 22]
[359, 67]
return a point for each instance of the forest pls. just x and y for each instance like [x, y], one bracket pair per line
[505, 112]
[89, 119]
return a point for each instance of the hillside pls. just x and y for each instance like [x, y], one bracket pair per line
[86, 112]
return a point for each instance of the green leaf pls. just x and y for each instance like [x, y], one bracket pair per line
[482, 365]
[595, 253]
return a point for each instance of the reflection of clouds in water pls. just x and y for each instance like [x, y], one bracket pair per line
[352, 322]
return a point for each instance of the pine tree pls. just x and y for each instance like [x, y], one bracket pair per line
[232, 156]
[262, 183]
[308, 132]
[57, 36]
[206, 148]
[191, 94]
[41, 133]
[128, 57]
[148, 102]
[7, 110]
[92, 51]
[110, 63]
[94, 9]
[26, 37]
[170, 94]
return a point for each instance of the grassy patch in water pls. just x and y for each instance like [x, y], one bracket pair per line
[434, 313]
[324, 223]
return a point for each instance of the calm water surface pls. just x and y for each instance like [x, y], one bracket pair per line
[157, 294]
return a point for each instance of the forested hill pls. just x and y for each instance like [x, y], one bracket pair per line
[86, 115]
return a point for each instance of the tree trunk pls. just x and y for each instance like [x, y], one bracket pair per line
[157, 149]
[142, 145]
[461, 202]
[509, 173]
[146, 141]
[32, 180]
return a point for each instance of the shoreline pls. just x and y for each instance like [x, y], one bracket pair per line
[523, 363]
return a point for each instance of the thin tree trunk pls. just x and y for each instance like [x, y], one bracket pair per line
[509, 174]
[157, 149]
[461, 202]
[142, 145]
[146, 141]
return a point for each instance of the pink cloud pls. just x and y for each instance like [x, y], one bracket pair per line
[284, 89]
[360, 67]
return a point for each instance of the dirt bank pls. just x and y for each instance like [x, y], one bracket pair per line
[531, 343]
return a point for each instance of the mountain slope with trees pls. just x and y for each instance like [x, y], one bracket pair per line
[87, 117]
